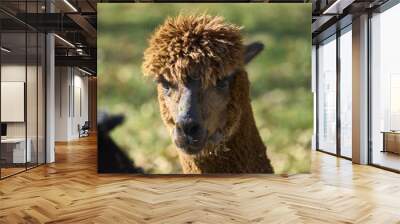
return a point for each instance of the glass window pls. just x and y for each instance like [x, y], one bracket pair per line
[346, 92]
[22, 93]
[385, 89]
[14, 151]
[327, 95]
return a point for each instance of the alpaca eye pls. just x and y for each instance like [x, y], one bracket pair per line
[166, 86]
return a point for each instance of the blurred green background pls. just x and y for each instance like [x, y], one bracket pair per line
[280, 79]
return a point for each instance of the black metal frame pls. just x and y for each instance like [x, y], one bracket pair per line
[316, 97]
[44, 75]
[0, 89]
[339, 27]
[338, 98]
[369, 90]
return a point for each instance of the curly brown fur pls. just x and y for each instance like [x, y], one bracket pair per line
[203, 44]
[244, 151]
[208, 49]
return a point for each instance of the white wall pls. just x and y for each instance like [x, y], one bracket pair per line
[33, 126]
[62, 80]
[12, 73]
[71, 94]
[80, 110]
[13, 100]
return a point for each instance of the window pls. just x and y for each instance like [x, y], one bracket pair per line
[22, 88]
[327, 95]
[346, 92]
[15, 150]
[385, 89]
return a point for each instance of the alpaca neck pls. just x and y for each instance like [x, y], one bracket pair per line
[243, 152]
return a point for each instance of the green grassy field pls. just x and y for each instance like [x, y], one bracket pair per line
[280, 79]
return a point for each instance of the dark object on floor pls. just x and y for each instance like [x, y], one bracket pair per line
[111, 159]
[84, 130]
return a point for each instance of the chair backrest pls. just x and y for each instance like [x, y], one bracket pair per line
[3, 129]
[86, 125]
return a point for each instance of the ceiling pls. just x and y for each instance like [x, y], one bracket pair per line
[331, 15]
[74, 22]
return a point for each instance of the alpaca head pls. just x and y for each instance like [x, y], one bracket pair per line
[198, 62]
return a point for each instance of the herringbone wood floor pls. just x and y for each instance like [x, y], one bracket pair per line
[70, 191]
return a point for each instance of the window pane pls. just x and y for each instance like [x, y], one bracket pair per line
[14, 153]
[386, 88]
[327, 96]
[22, 88]
[346, 94]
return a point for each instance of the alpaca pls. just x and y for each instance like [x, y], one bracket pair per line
[111, 158]
[203, 92]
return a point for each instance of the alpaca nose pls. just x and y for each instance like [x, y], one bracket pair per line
[189, 128]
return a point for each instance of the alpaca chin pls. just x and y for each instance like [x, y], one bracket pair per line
[215, 143]
[216, 138]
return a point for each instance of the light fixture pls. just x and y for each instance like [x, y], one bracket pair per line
[337, 7]
[84, 71]
[331, 7]
[70, 5]
[64, 40]
[5, 50]
[80, 51]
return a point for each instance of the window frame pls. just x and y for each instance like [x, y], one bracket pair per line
[27, 29]
[381, 9]
[339, 32]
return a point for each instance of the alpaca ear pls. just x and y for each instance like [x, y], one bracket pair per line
[252, 50]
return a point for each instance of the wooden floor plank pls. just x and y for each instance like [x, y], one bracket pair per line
[71, 191]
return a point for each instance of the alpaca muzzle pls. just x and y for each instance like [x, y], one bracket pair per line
[189, 133]
[189, 136]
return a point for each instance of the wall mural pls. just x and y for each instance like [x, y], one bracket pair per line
[204, 88]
